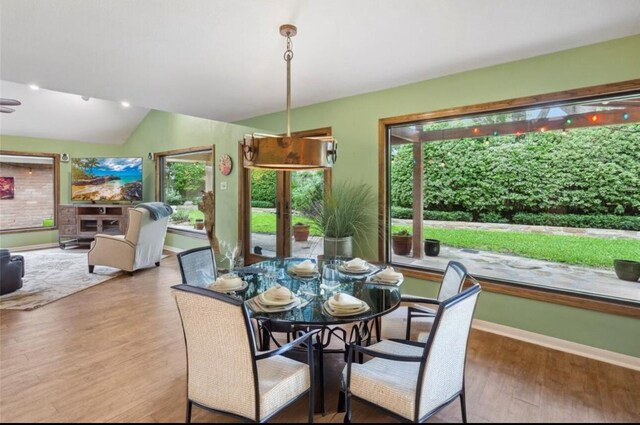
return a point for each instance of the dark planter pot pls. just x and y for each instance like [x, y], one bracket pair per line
[431, 247]
[627, 269]
[402, 244]
[199, 224]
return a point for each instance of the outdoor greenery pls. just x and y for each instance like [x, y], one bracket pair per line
[600, 221]
[582, 250]
[186, 182]
[593, 171]
[265, 222]
[306, 188]
[345, 211]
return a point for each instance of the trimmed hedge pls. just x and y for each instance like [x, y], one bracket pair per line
[447, 215]
[401, 212]
[587, 171]
[601, 221]
[262, 204]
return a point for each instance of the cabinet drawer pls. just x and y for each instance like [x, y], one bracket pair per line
[67, 230]
[65, 219]
[67, 211]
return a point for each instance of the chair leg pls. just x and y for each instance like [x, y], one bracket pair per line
[91, 268]
[463, 407]
[188, 418]
[341, 396]
[347, 408]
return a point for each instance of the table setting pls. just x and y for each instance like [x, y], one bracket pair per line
[276, 299]
[228, 282]
[356, 266]
[386, 276]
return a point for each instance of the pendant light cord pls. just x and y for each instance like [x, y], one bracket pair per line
[288, 55]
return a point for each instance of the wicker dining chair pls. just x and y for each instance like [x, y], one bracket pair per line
[197, 266]
[414, 311]
[225, 373]
[411, 381]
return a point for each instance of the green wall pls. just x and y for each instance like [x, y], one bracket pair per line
[74, 149]
[354, 121]
[163, 131]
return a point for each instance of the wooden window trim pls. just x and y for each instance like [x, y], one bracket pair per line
[157, 160]
[507, 288]
[56, 191]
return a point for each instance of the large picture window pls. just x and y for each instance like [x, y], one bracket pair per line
[182, 176]
[28, 191]
[546, 195]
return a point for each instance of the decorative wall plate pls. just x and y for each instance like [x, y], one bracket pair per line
[225, 165]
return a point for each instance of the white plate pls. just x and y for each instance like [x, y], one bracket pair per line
[378, 281]
[262, 299]
[329, 310]
[345, 269]
[256, 305]
[302, 273]
[217, 288]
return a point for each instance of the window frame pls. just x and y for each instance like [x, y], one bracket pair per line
[519, 289]
[159, 186]
[56, 191]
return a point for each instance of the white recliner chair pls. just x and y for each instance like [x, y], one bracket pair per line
[139, 248]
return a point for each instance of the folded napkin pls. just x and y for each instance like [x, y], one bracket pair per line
[356, 264]
[345, 301]
[389, 275]
[228, 280]
[306, 265]
[278, 293]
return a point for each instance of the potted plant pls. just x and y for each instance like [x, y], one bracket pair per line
[343, 216]
[627, 269]
[431, 247]
[199, 225]
[402, 241]
[300, 232]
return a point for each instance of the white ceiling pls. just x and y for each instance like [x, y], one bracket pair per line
[222, 59]
[62, 116]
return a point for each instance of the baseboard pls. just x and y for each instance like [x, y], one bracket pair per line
[32, 247]
[606, 356]
[172, 249]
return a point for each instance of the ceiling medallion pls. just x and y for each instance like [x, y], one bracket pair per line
[266, 151]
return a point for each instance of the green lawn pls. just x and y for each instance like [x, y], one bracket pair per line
[582, 250]
[265, 222]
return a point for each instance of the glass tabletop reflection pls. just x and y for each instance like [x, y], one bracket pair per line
[314, 287]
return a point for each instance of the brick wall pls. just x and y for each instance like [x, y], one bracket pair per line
[33, 196]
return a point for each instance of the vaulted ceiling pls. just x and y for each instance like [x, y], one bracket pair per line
[223, 59]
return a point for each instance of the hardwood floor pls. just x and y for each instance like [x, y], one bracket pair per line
[115, 353]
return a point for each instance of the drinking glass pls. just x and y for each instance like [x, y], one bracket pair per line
[330, 276]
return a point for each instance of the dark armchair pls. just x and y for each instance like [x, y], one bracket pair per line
[11, 272]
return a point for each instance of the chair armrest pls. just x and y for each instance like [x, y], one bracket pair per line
[105, 237]
[418, 299]
[286, 347]
[353, 347]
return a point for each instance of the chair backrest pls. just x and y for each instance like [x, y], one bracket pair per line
[441, 375]
[452, 280]
[197, 266]
[221, 367]
[147, 235]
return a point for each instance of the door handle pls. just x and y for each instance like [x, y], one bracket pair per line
[278, 209]
[287, 210]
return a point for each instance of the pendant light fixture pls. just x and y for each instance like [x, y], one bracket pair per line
[289, 153]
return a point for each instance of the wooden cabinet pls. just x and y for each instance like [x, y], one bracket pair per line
[78, 224]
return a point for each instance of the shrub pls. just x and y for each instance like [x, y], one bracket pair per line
[172, 197]
[180, 215]
[599, 221]
[447, 215]
[401, 212]
[263, 185]
[262, 204]
[492, 218]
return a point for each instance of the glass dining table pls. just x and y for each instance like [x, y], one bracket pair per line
[313, 290]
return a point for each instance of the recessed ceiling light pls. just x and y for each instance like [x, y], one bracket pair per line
[34, 87]
[125, 104]
[85, 98]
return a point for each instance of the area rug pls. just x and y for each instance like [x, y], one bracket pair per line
[51, 274]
